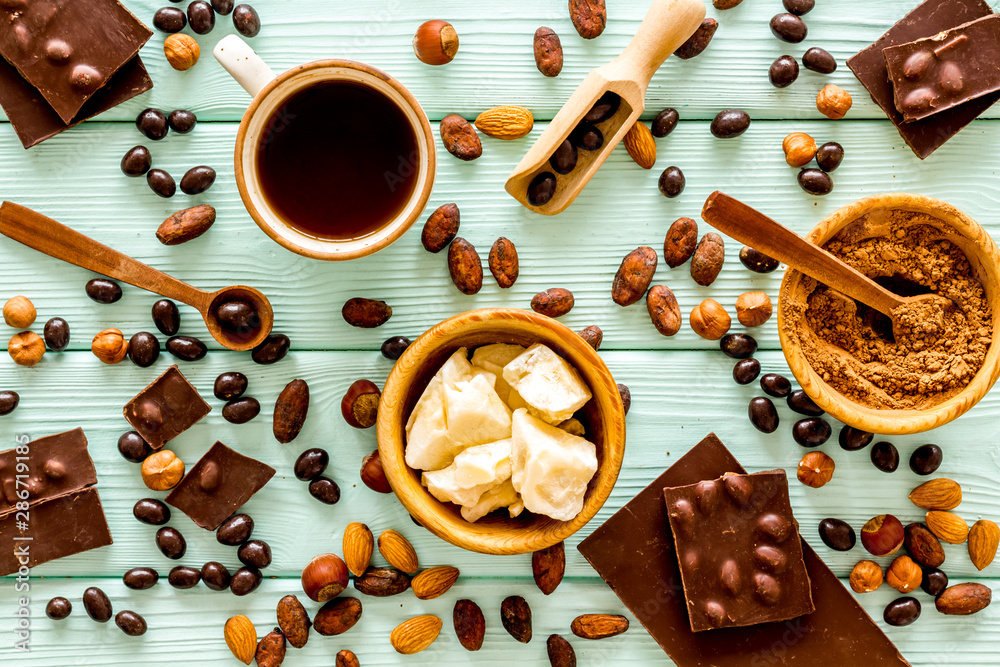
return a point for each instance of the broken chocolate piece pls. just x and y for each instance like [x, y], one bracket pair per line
[53, 466]
[166, 408]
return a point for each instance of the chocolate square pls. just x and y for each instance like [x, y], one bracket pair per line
[931, 17]
[633, 551]
[166, 408]
[740, 553]
[53, 466]
[68, 49]
[218, 485]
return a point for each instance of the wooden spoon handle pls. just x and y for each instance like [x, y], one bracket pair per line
[57, 240]
[749, 226]
[668, 24]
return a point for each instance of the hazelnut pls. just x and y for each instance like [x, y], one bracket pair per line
[436, 42]
[753, 308]
[360, 404]
[19, 312]
[26, 348]
[866, 577]
[162, 470]
[834, 102]
[799, 149]
[373, 475]
[182, 51]
[110, 346]
[815, 469]
[883, 535]
[904, 575]
[324, 577]
[710, 320]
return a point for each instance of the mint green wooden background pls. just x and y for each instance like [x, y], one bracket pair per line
[681, 387]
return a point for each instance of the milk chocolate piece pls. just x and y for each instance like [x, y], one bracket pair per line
[53, 466]
[68, 49]
[634, 553]
[740, 553]
[218, 485]
[941, 72]
[55, 528]
[166, 408]
[931, 17]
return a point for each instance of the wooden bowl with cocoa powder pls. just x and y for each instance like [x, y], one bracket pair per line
[931, 384]
[603, 417]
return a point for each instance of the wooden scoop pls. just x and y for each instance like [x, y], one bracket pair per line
[668, 24]
[56, 240]
[749, 226]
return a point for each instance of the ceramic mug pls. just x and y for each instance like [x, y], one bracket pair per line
[270, 93]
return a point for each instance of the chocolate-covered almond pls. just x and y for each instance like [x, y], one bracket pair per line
[140, 578]
[166, 317]
[271, 350]
[230, 385]
[97, 604]
[186, 348]
[241, 410]
[215, 575]
[235, 530]
[150, 510]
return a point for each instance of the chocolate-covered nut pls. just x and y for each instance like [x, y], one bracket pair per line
[169, 20]
[393, 348]
[166, 317]
[131, 623]
[746, 371]
[934, 581]
[311, 464]
[902, 611]
[272, 350]
[103, 290]
[730, 123]
[56, 334]
[541, 189]
[829, 156]
[197, 180]
[150, 510]
[819, 60]
[140, 578]
[324, 490]
[182, 121]
[137, 161]
[58, 608]
[799, 7]
[246, 20]
[815, 181]
[238, 318]
[926, 459]
[665, 122]
[97, 604]
[230, 385]
[184, 577]
[161, 183]
[201, 16]
[757, 261]
[604, 108]
[152, 123]
[225, 7]
[133, 448]
[587, 137]
[671, 183]
[853, 439]
[788, 28]
[738, 346]
[241, 410]
[811, 432]
[215, 575]
[763, 415]
[143, 349]
[235, 530]
[885, 456]
[799, 401]
[783, 72]
[245, 580]
[186, 348]
[563, 161]
[626, 395]
[776, 385]
[8, 402]
[837, 534]
[171, 543]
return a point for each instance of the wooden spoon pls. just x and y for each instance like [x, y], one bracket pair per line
[57, 240]
[749, 226]
[668, 24]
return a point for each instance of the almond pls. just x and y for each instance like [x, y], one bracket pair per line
[641, 145]
[293, 621]
[937, 494]
[947, 526]
[359, 544]
[241, 638]
[548, 567]
[515, 614]
[599, 626]
[964, 599]
[337, 616]
[984, 537]
[506, 122]
[435, 582]
[186, 225]
[470, 624]
[416, 634]
[398, 551]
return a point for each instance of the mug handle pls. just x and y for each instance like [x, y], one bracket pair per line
[243, 64]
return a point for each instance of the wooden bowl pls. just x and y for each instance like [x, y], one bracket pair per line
[603, 416]
[984, 257]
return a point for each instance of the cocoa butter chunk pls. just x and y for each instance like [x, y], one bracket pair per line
[634, 276]
[441, 228]
[465, 266]
[186, 225]
[366, 313]
[460, 138]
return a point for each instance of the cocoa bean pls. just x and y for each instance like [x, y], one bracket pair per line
[515, 614]
[548, 567]
[337, 616]
[560, 652]
[706, 263]
[554, 302]
[186, 225]
[593, 335]
[441, 228]
[290, 411]
[664, 310]
[634, 275]
[599, 626]
[271, 649]
[366, 313]
[382, 582]
[465, 266]
[725, 4]
[347, 658]
[923, 546]
[460, 138]
[503, 262]
[699, 41]
[964, 599]
[293, 621]
[680, 243]
[626, 395]
[589, 17]
[470, 624]
[548, 52]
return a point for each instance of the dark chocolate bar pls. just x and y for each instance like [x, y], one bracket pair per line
[52, 466]
[166, 408]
